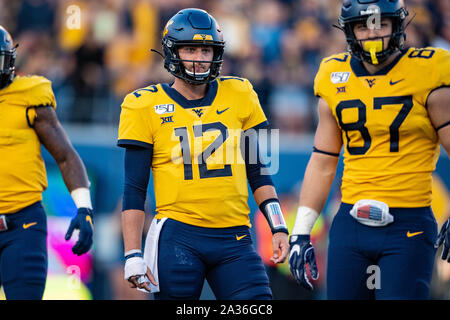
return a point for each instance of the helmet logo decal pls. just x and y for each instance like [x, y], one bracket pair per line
[165, 28]
[372, 9]
[202, 37]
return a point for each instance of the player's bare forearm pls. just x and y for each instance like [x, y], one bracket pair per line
[132, 228]
[438, 107]
[55, 140]
[264, 193]
[317, 182]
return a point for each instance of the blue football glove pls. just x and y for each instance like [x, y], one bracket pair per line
[302, 253]
[444, 238]
[83, 222]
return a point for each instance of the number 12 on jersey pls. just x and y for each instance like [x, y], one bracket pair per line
[182, 133]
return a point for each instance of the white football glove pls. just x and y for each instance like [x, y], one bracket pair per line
[135, 266]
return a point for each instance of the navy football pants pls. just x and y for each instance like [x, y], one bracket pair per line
[224, 256]
[401, 254]
[23, 254]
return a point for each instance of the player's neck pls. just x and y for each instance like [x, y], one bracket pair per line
[371, 68]
[189, 91]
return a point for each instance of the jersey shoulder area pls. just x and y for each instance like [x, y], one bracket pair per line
[30, 82]
[427, 53]
[431, 61]
[35, 90]
[335, 60]
[428, 57]
[333, 69]
[142, 98]
[235, 84]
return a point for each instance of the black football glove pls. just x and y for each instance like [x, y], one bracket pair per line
[444, 238]
[302, 253]
[83, 222]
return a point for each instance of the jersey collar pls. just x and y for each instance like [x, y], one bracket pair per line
[360, 71]
[207, 100]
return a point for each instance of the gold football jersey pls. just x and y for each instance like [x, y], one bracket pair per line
[198, 171]
[22, 170]
[390, 145]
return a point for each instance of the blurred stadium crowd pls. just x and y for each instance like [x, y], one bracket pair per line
[276, 44]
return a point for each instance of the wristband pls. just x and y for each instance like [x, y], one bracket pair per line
[133, 253]
[82, 198]
[306, 217]
[271, 209]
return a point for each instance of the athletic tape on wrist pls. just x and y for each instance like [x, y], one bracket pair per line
[306, 218]
[82, 198]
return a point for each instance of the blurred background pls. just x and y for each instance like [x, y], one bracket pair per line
[95, 52]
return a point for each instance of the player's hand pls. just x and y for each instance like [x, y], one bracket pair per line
[280, 243]
[83, 222]
[137, 274]
[301, 254]
[444, 238]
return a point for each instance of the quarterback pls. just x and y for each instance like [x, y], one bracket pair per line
[184, 132]
[389, 107]
[27, 120]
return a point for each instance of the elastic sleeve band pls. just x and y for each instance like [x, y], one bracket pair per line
[325, 152]
[442, 126]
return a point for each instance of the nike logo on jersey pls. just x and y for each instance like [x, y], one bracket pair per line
[412, 234]
[240, 237]
[392, 82]
[222, 111]
[27, 225]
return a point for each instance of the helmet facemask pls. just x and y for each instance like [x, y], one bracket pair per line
[7, 66]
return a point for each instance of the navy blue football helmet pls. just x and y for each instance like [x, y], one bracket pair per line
[7, 58]
[357, 11]
[192, 27]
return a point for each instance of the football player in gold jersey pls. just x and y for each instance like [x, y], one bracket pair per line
[27, 120]
[189, 133]
[389, 108]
